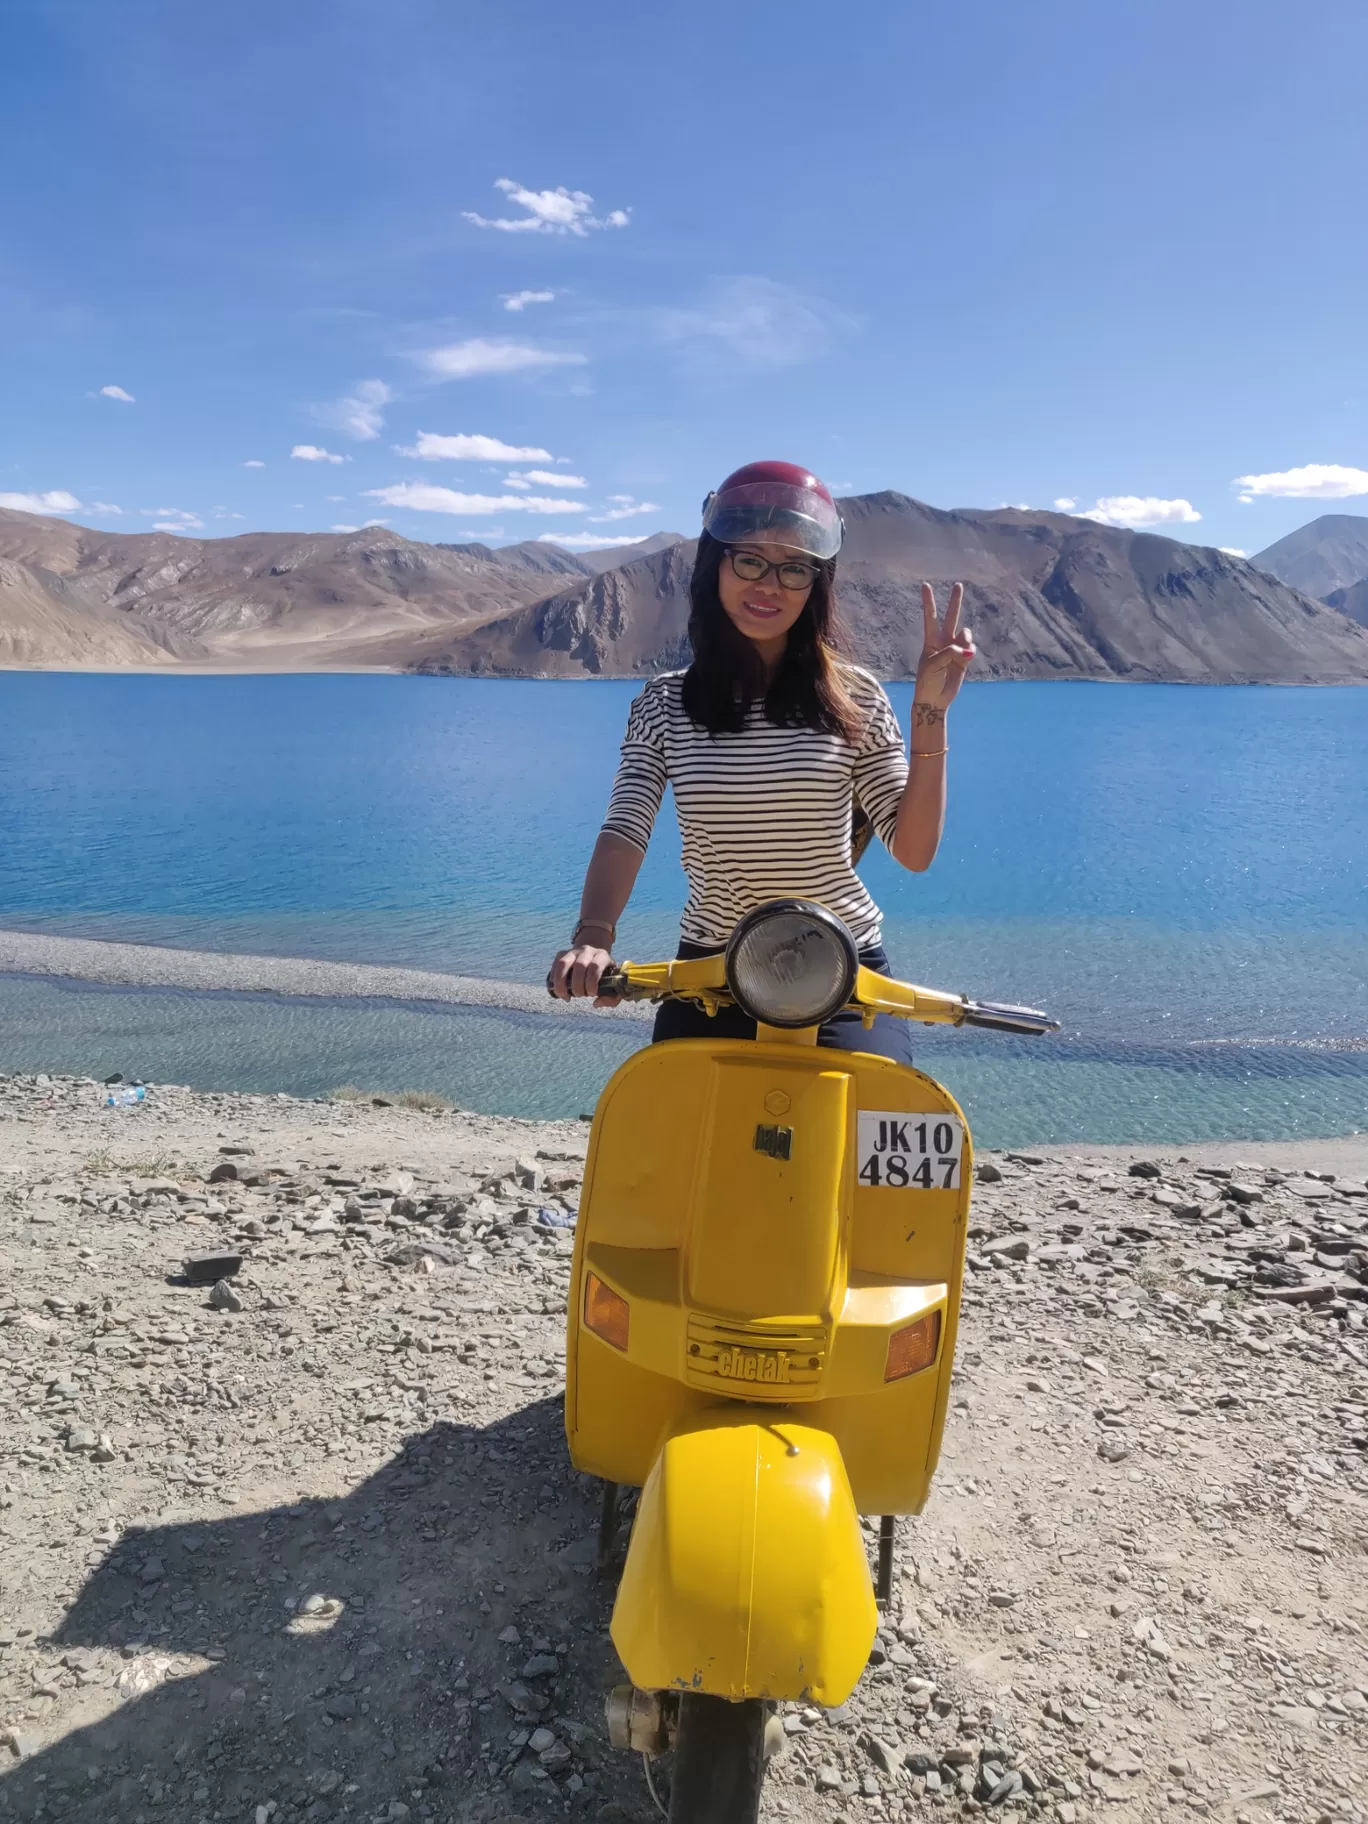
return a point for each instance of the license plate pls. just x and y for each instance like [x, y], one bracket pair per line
[909, 1152]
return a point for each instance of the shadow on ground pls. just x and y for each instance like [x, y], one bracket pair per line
[405, 1702]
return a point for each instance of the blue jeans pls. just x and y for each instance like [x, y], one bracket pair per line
[888, 1037]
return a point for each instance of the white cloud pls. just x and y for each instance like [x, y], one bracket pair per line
[1066, 503]
[55, 500]
[334, 498]
[173, 519]
[117, 392]
[346, 528]
[1313, 481]
[1138, 510]
[310, 452]
[470, 447]
[1233, 551]
[589, 541]
[547, 478]
[105, 506]
[252, 463]
[558, 211]
[359, 414]
[483, 355]
[754, 320]
[519, 300]
[222, 513]
[516, 481]
[622, 506]
[422, 497]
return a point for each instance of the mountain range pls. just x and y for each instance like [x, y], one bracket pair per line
[1048, 596]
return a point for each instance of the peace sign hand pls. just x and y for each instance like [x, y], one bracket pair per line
[947, 653]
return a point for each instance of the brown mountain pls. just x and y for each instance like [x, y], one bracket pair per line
[1048, 596]
[278, 601]
[1352, 601]
[612, 557]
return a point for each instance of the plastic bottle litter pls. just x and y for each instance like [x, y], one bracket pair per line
[124, 1098]
[555, 1219]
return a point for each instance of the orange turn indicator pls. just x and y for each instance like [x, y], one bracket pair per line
[605, 1312]
[913, 1347]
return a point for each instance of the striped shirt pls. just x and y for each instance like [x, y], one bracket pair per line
[764, 813]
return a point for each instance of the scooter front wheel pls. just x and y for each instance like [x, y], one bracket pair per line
[719, 1760]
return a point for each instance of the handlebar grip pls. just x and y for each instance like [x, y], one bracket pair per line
[1002, 1018]
[612, 981]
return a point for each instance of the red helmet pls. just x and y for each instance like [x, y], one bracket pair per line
[775, 500]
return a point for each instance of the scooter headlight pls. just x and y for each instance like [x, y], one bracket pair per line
[791, 962]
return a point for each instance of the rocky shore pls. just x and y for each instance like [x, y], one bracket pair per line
[300, 1541]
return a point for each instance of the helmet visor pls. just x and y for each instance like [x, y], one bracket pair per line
[797, 517]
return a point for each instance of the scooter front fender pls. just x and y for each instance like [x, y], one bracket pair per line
[746, 1575]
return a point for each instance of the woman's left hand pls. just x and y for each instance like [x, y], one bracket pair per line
[947, 652]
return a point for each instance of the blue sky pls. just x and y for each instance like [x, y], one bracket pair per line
[984, 253]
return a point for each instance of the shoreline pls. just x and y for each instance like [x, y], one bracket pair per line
[193, 669]
[117, 965]
[356, 991]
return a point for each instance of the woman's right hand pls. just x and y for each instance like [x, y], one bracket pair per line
[575, 972]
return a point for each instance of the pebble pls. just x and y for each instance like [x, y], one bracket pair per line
[206, 1269]
[1009, 1248]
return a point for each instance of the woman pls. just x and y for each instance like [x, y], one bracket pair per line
[769, 741]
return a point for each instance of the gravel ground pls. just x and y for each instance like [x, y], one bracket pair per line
[308, 1547]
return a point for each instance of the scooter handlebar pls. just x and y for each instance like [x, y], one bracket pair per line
[704, 980]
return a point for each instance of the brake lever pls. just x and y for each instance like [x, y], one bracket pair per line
[1001, 1017]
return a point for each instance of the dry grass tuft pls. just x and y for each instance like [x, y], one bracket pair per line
[425, 1101]
[104, 1164]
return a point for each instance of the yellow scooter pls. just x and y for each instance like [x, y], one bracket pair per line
[762, 1323]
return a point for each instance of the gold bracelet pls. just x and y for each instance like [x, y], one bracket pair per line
[934, 754]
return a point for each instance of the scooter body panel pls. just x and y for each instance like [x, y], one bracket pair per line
[746, 1576]
[722, 1202]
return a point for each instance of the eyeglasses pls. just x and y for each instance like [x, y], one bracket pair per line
[752, 568]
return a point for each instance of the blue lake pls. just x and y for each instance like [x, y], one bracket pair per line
[1180, 874]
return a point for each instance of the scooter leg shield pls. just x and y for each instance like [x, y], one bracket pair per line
[746, 1575]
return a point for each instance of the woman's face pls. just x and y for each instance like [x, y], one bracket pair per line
[765, 610]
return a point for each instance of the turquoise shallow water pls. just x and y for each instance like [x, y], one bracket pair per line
[1180, 874]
